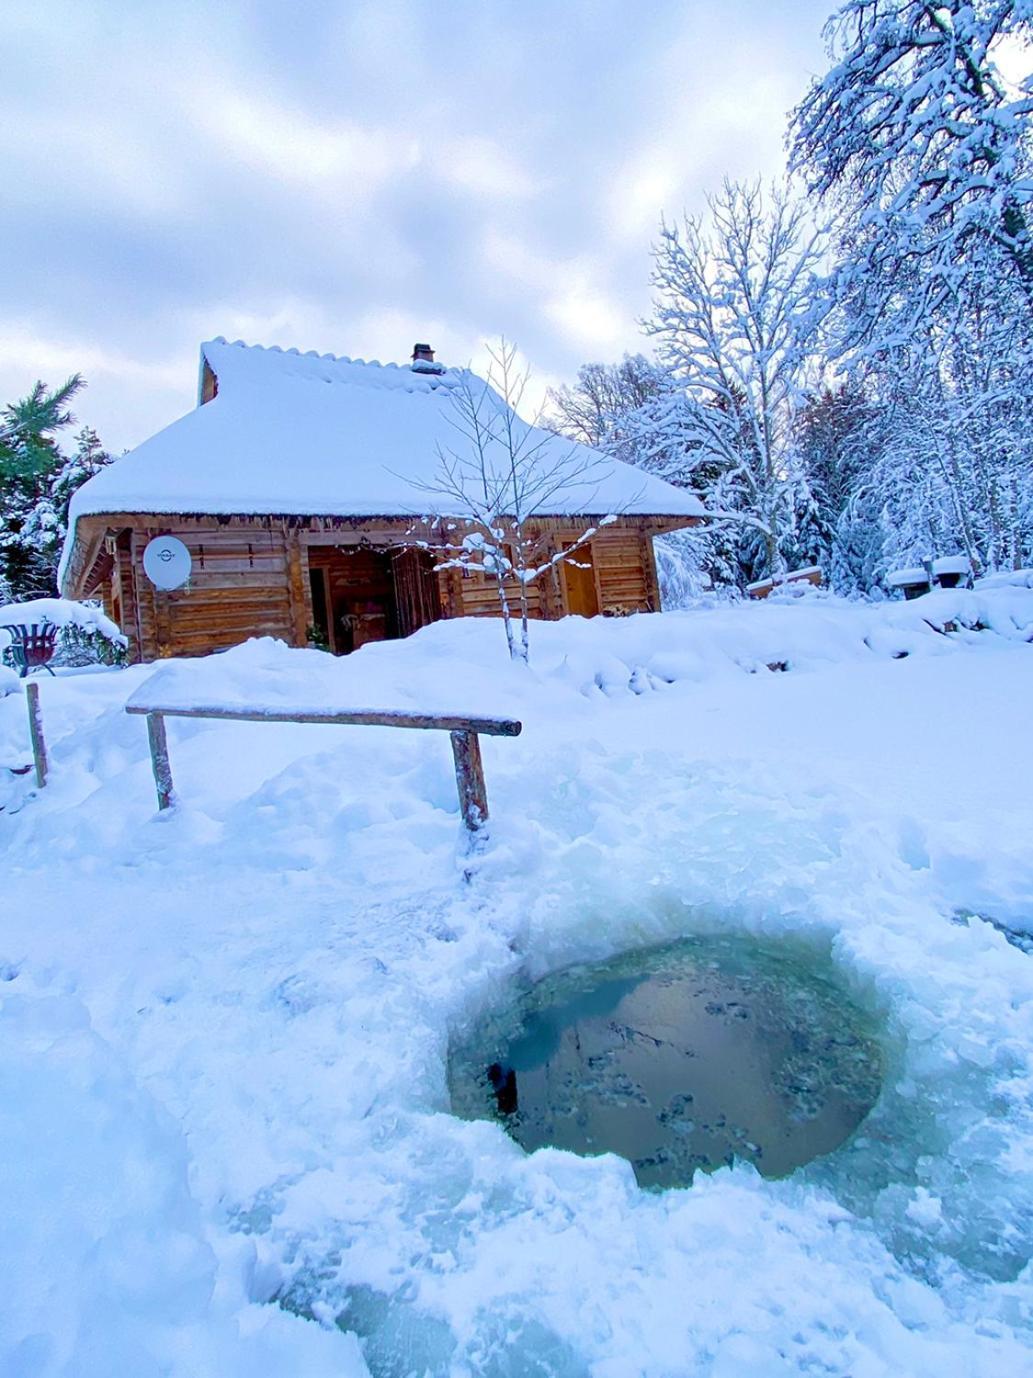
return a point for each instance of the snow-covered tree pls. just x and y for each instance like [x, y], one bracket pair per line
[916, 127]
[950, 447]
[833, 451]
[500, 474]
[737, 316]
[45, 525]
[36, 482]
[638, 412]
[922, 142]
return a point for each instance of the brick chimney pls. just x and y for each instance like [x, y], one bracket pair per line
[423, 360]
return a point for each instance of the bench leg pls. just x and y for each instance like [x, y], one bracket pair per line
[160, 760]
[39, 746]
[473, 797]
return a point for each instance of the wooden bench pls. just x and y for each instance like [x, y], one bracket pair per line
[465, 733]
[764, 587]
[31, 647]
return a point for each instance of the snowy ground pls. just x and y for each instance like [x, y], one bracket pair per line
[223, 1030]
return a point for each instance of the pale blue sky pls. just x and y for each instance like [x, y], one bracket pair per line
[355, 176]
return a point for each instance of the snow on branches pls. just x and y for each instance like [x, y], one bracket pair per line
[498, 476]
[738, 309]
[916, 127]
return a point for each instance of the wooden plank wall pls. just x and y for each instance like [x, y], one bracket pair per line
[239, 587]
[625, 575]
[479, 595]
[620, 571]
[250, 577]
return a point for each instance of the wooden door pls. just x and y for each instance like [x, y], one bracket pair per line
[579, 582]
[417, 600]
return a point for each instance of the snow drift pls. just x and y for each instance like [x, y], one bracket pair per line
[241, 1010]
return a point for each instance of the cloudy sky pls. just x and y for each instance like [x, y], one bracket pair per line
[352, 177]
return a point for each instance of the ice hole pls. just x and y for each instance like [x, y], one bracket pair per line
[679, 1058]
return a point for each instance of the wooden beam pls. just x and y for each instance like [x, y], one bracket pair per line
[160, 764]
[466, 747]
[649, 570]
[358, 717]
[297, 586]
[39, 746]
[473, 794]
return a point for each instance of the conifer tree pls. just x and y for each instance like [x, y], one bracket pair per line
[37, 481]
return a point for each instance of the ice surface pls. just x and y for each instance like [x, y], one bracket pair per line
[237, 1013]
[679, 1058]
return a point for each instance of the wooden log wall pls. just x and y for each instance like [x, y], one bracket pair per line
[250, 576]
[479, 595]
[239, 587]
[624, 568]
[620, 571]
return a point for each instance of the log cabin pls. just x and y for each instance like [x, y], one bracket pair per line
[301, 488]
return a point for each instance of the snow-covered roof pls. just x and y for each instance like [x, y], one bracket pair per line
[320, 435]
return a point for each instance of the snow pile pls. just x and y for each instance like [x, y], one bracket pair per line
[105, 1264]
[1009, 578]
[464, 667]
[58, 612]
[241, 1009]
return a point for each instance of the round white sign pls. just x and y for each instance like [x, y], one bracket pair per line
[166, 562]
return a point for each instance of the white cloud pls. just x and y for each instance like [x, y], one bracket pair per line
[571, 292]
[647, 181]
[481, 165]
[54, 360]
[372, 175]
[292, 145]
[589, 320]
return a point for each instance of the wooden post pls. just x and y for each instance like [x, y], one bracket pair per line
[649, 572]
[473, 797]
[39, 746]
[160, 760]
[298, 591]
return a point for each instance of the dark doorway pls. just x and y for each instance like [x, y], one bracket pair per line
[361, 594]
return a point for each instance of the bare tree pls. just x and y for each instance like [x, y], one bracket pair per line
[594, 410]
[500, 476]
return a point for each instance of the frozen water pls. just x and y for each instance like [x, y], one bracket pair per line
[678, 1058]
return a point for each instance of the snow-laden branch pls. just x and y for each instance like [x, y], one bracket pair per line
[500, 475]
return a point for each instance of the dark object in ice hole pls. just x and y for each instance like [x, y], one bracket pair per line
[503, 1081]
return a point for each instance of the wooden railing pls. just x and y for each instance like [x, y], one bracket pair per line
[465, 733]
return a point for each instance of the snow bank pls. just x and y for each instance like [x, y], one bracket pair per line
[461, 666]
[58, 612]
[245, 1004]
[1017, 578]
[106, 1268]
